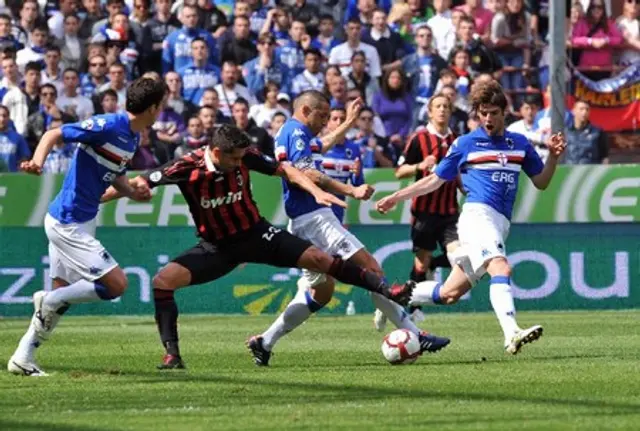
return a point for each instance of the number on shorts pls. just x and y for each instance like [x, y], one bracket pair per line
[109, 177]
[270, 233]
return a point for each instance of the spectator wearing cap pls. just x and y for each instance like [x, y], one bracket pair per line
[260, 138]
[229, 90]
[394, 104]
[341, 55]
[325, 41]
[200, 74]
[262, 114]
[267, 67]
[586, 143]
[284, 101]
[312, 77]
[48, 113]
[35, 50]
[630, 29]
[359, 79]
[443, 30]
[52, 72]
[160, 26]
[237, 45]
[118, 83]
[96, 76]
[7, 40]
[13, 147]
[389, 45]
[12, 96]
[69, 101]
[31, 89]
[72, 48]
[176, 52]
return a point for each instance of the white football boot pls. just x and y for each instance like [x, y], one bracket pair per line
[25, 368]
[522, 337]
[45, 318]
[379, 320]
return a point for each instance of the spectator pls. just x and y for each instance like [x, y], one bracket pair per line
[543, 118]
[117, 82]
[59, 158]
[29, 18]
[291, 53]
[13, 147]
[211, 18]
[276, 122]
[41, 121]
[160, 26]
[56, 22]
[284, 102]
[141, 13]
[421, 13]
[442, 28]
[359, 79]
[229, 90]
[460, 67]
[131, 49]
[263, 113]
[337, 88]
[394, 105]
[482, 17]
[526, 126]
[237, 45]
[92, 14]
[70, 101]
[483, 60]
[326, 40]
[259, 136]
[211, 98]
[207, 115]
[597, 35]
[108, 100]
[306, 13]
[341, 55]
[36, 49]
[311, 78]
[330, 73]
[145, 158]
[389, 45]
[278, 23]
[363, 12]
[175, 101]
[267, 67]
[193, 139]
[72, 48]
[113, 7]
[31, 88]
[258, 11]
[7, 40]
[51, 70]
[510, 35]
[12, 96]
[375, 151]
[176, 51]
[96, 77]
[630, 29]
[199, 74]
[586, 143]
[459, 118]
[399, 20]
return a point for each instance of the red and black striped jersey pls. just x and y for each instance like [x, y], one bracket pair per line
[220, 202]
[423, 143]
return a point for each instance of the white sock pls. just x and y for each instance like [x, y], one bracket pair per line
[299, 310]
[79, 292]
[426, 293]
[394, 312]
[28, 344]
[502, 303]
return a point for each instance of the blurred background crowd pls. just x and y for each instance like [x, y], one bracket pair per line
[245, 61]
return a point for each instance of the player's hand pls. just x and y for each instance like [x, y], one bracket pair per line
[141, 192]
[355, 168]
[428, 163]
[556, 144]
[353, 110]
[327, 199]
[386, 204]
[363, 192]
[31, 167]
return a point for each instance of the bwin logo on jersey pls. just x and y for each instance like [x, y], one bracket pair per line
[223, 200]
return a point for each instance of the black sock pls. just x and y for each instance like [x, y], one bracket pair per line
[352, 274]
[441, 261]
[417, 275]
[167, 320]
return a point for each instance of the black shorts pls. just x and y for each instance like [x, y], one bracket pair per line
[429, 231]
[264, 244]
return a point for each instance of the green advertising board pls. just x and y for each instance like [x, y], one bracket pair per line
[594, 193]
[555, 266]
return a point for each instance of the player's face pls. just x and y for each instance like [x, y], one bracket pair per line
[318, 118]
[440, 110]
[227, 161]
[492, 119]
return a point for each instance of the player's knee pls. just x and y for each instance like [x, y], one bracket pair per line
[115, 283]
[499, 266]
[161, 282]
[316, 260]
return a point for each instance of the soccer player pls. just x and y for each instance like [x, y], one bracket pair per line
[295, 143]
[215, 182]
[489, 160]
[434, 216]
[81, 268]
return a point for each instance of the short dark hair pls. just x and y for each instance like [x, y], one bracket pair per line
[33, 65]
[327, 17]
[49, 85]
[42, 28]
[312, 98]
[241, 101]
[199, 39]
[71, 69]
[312, 51]
[5, 17]
[358, 54]
[52, 47]
[71, 15]
[144, 93]
[489, 93]
[228, 138]
[108, 92]
[338, 108]
[354, 20]
[5, 109]
[279, 114]
[269, 86]
[366, 109]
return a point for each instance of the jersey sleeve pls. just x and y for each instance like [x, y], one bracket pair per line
[449, 166]
[412, 154]
[532, 164]
[256, 161]
[90, 131]
[299, 153]
[174, 172]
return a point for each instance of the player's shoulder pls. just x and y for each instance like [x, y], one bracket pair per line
[99, 123]
[351, 148]
[516, 140]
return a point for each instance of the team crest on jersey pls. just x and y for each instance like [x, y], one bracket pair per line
[510, 143]
[502, 159]
[349, 153]
[87, 124]
[344, 245]
[299, 145]
[155, 176]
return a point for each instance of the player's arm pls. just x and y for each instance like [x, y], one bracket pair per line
[532, 162]
[331, 139]
[295, 176]
[48, 140]
[327, 183]
[411, 160]
[132, 188]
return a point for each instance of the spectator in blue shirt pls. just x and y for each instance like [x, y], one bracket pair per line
[266, 67]
[13, 147]
[199, 75]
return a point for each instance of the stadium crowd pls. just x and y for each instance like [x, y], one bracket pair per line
[244, 62]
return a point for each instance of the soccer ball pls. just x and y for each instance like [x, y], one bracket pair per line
[401, 347]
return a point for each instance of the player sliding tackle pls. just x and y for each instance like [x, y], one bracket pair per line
[489, 161]
[82, 270]
[214, 181]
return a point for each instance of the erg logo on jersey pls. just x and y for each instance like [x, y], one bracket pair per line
[503, 177]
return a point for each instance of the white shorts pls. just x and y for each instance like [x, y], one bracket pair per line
[483, 232]
[323, 229]
[74, 253]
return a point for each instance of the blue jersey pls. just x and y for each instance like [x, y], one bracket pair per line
[13, 149]
[106, 144]
[339, 163]
[490, 167]
[176, 48]
[196, 79]
[295, 143]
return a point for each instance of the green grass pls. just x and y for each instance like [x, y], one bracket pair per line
[583, 374]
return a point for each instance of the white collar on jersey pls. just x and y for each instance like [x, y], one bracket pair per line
[208, 162]
[431, 129]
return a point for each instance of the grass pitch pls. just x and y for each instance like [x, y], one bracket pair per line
[583, 374]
